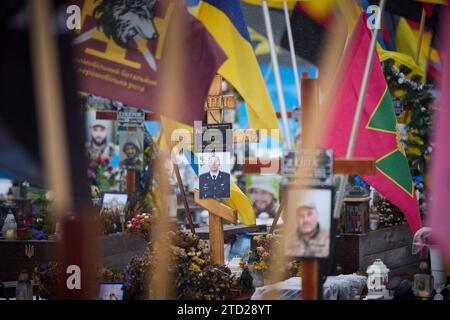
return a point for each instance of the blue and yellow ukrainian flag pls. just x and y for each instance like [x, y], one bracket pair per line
[225, 21]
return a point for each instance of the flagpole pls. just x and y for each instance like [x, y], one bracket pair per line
[421, 30]
[276, 70]
[268, 72]
[292, 51]
[359, 109]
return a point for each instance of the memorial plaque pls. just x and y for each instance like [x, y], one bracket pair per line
[313, 167]
[127, 117]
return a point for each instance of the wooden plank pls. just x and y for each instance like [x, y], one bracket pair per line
[394, 258]
[246, 135]
[112, 115]
[230, 231]
[310, 109]
[214, 115]
[386, 239]
[216, 238]
[186, 140]
[310, 280]
[216, 86]
[406, 271]
[217, 207]
[221, 102]
[345, 166]
[262, 165]
[187, 212]
[354, 166]
[131, 181]
[347, 253]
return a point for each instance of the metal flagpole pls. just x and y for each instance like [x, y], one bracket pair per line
[421, 31]
[268, 72]
[292, 51]
[359, 109]
[276, 69]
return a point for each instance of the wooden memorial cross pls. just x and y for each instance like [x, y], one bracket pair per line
[310, 99]
[354, 166]
[214, 106]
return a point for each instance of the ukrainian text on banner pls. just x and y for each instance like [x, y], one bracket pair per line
[120, 49]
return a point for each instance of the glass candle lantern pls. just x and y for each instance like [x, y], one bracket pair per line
[423, 285]
[24, 289]
[356, 210]
[377, 276]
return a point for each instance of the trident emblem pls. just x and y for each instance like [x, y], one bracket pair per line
[29, 250]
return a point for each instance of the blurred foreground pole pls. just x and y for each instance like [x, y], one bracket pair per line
[76, 248]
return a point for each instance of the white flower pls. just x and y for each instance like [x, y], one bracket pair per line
[49, 195]
[400, 80]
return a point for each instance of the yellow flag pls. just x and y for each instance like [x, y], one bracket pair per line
[273, 3]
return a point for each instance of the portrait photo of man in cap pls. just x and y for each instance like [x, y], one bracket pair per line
[310, 219]
[99, 137]
[263, 192]
[131, 153]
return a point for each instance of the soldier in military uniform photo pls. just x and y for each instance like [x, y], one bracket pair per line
[214, 183]
[309, 239]
[132, 153]
[98, 144]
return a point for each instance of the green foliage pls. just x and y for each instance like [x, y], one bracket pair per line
[413, 94]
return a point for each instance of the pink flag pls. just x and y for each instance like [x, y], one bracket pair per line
[440, 159]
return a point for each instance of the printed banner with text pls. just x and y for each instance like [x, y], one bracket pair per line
[121, 46]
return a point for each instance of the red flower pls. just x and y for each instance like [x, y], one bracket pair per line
[104, 159]
[110, 168]
[93, 165]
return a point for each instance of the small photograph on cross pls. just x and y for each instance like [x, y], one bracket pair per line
[214, 171]
[100, 136]
[131, 150]
[308, 214]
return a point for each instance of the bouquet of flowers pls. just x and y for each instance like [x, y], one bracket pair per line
[34, 234]
[194, 275]
[295, 269]
[136, 276]
[140, 225]
[102, 174]
[109, 221]
[260, 259]
[260, 256]
[242, 285]
[111, 275]
[47, 276]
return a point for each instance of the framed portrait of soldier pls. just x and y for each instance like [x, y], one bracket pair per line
[100, 137]
[214, 175]
[308, 231]
[131, 145]
[263, 192]
[114, 201]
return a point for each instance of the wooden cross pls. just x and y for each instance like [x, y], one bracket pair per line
[355, 166]
[214, 106]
